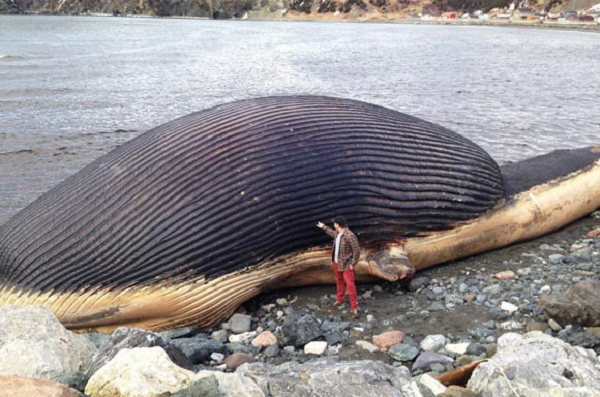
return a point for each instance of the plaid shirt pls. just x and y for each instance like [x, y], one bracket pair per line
[349, 249]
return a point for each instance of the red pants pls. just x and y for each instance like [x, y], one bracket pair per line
[344, 280]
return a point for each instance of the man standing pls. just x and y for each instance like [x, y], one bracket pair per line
[345, 255]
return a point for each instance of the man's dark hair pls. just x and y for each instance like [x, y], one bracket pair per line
[340, 220]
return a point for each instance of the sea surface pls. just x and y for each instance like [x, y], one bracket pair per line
[73, 88]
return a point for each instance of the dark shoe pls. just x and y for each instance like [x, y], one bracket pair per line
[355, 313]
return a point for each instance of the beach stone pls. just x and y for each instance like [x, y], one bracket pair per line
[402, 352]
[185, 332]
[427, 359]
[240, 323]
[476, 349]
[493, 289]
[266, 338]
[555, 258]
[417, 283]
[506, 275]
[128, 338]
[207, 386]
[220, 336]
[433, 343]
[526, 271]
[237, 359]
[579, 305]
[315, 347]
[272, 351]
[457, 391]
[594, 233]
[97, 338]
[463, 288]
[330, 377]
[388, 339]
[298, 330]
[457, 348]
[17, 386]
[509, 307]
[537, 364]
[335, 338]
[469, 298]
[371, 348]
[432, 384]
[34, 344]
[244, 338]
[335, 326]
[536, 327]
[437, 290]
[453, 300]
[554, 326]
[129, 374]
[199, 350]
[436, 307]
[238, 347]
[584, 337]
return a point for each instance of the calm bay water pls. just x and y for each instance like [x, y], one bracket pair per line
[71, 88]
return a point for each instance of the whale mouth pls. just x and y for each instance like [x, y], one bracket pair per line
[390, 265]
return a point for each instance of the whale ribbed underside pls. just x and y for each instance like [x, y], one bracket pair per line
[242, 183]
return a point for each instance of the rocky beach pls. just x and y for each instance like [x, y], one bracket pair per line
[525, 317]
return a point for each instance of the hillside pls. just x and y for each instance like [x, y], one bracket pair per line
[271, 9]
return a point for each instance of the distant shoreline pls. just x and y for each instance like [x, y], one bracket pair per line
[581, 27]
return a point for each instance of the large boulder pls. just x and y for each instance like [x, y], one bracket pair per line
[128, 338]
[298, 330]
[17, 386]
[579, 305]
[34, 344]
[330, 377]
[140, 372]
[536, 364]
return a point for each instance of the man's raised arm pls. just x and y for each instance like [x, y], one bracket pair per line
[326, 229]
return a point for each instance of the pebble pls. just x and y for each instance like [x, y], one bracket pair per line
[555, 258]
[240, 323]
[265, 339]
[272, 351]
[217, 357]
[492, 289]
[511, 325]
[377, 288]
[463, 288]
[388, 339]
[282, 302]
[457, 348]
[554, 325]
[244, 338]
[371, 348]
[220, 336]
[403, 352]
[506, 275]
[368, 294]
[526, 271]
[315, 347]
[545, 289]
[475, 349]
[433, 343]
[509, 307]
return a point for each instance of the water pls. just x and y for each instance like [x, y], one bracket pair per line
[72, 88]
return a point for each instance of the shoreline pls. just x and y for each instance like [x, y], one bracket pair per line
[375, 19]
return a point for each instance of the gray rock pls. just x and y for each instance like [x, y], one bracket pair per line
[463, 288]
[437, 290]
[207, 386]
[555, 258]
[418, 282]
[34, 344]
[97, 338]
[537, 365]
[298, 330]
[185, 332]
[403, 352]
[481, 332]
[335, 326]
[272, 351]
[127, 338]
[220, 336]
[433, 343]
[582, 255]
[493, 289]
[199, 350]
[453, 299]
[436, 307]
[579, 305]
[335, 338]
[584, 337]
[329, 377]
[476, 349]
[240, 323]
[427, 359]
[238, 347]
